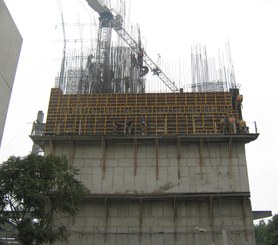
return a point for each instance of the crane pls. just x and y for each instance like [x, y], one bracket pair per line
[107, 22]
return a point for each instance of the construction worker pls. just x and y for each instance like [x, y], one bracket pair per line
[242, 126]
[128, 127]
[239, 100]
[232, 124]
[143, 126]
[234, 101]
[116, 125]
[133, 60]
[223, 123]
[140, 55]
[118, 21]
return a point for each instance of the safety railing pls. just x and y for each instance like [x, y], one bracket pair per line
[252, 127]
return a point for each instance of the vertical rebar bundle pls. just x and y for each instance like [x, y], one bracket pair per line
[207, 75]
[107, 65]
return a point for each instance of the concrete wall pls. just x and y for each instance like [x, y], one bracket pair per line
[10, 46]
[154, 223]
[118, 171]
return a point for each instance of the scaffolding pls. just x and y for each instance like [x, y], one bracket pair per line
[162, 113]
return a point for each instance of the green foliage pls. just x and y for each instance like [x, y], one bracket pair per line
[35, 188]
[267, 234]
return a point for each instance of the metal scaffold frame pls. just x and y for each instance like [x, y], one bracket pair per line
[163, 113]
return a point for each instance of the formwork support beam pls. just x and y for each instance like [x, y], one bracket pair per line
[178, 156]
[71, 153]
[175, 212]
[201, 157]
[244, 214]
[211, 218]
[165, 125]
[157, 158]
[141, 211]
[230, 170]
[103, 159]
[135, 146]
[106, 216]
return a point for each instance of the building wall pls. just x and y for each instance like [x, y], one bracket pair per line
[115, 169]
[154, 222]
[140, 198]
[10, 46]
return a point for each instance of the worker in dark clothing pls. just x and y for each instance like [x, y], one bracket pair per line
[133, 60]
[90, 64]
[234, 101]
[224, 124]
[128, 127]
[116, 125]
[140, 55]
[143, 126]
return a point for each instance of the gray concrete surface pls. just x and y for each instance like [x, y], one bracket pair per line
[190, 197]
[10, 46]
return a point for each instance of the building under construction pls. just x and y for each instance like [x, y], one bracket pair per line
[162, 168]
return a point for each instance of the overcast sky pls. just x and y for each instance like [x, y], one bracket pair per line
[168, 28]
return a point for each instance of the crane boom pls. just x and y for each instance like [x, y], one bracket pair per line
[98, 6]
[148, 61]
[115, 22]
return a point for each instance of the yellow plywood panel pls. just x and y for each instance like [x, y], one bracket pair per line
[164, 113]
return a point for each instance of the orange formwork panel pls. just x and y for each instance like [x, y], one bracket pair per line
[163, 113]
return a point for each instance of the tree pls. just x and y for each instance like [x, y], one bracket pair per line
[267, 234]
[34, 189]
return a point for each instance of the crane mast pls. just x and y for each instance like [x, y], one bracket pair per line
[103, 77]
[107, 22]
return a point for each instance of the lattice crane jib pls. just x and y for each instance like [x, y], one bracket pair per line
[102, 78]
[109, 21]
[104, 37]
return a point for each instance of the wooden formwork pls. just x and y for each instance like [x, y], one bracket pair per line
[163, 113]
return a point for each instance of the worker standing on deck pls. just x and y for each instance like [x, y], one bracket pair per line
[232, 124]
[143, 126]
[128, 127]
[239, 100]
[242, 126]
[140, 55]
[133, 60]
[116, 125]
[224, 124]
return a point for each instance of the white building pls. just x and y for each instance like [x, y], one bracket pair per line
[10, 46]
